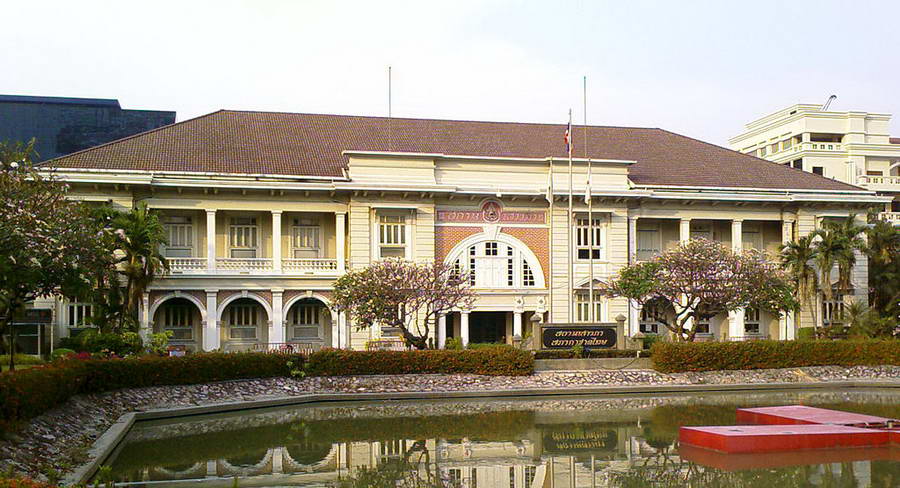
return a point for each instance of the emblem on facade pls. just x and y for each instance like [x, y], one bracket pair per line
[491, 212]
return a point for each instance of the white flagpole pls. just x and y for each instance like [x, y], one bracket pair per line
[550, 198]
[590, 201]
[570, 271]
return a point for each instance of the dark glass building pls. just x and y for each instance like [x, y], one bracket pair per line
[64, 125]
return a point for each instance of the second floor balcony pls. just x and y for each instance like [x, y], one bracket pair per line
[880, 183]
[254, 266]
[276, 243]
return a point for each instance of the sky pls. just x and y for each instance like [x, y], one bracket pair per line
[700, 68]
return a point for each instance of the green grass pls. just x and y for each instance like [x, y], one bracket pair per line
[23, 361]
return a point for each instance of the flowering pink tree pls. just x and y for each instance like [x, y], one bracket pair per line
[701, 279]
[402, 294]
[47, 244]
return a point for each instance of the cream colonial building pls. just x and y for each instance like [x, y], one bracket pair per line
[265, 210]
[853, 147]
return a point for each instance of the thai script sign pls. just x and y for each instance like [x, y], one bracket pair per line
[572, 438]
[588, 337]
[492, 213]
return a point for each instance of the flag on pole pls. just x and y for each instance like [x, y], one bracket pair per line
[587, 190]
[568, 138]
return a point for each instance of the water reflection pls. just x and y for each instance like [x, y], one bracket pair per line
[549, 443]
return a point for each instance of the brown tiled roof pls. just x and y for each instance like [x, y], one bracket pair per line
[311, 145]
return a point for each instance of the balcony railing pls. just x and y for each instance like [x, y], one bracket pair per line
[309, 265]
[892, 217]
[253, 266]
[880, 182]
[186, 265]
[244, 265]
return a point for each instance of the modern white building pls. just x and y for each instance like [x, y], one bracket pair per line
[853, 147]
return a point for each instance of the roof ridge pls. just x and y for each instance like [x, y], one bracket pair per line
[427, 119]
[133, 136]
[763, 160]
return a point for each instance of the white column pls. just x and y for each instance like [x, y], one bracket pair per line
[736, 317]
[517, 324]
[211, 327]
[787, 323]
[684, 235]
[632, 240]
[442, 331]
[684, 230]
[278, 460]
[145, 317]
[276, 242]
[340, 223]
[634, 318]
[210, 240]
[464, 327]
[276, 329]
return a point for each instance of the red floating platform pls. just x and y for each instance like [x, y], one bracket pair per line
[800, 414]
[772, 438]
[780, 459]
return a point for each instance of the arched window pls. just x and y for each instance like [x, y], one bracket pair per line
[306, 320]
[496, 263]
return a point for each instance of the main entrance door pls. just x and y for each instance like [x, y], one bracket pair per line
[487, 327]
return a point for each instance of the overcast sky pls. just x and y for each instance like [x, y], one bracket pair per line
[701, 68]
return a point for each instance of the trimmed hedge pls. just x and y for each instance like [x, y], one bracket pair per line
[592, 354]
[676, 357]
[27, 393]
[498, 361]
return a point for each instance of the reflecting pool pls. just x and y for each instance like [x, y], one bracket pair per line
[547, 442]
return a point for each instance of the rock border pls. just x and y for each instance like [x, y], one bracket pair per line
[107, 443]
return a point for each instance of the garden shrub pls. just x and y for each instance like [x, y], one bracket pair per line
[806, 333]
[673, 357]
[27, 393]
[592, 354]
[23, 483]
[21, 359]
[498, 360]
[61, 353]
[94, 341]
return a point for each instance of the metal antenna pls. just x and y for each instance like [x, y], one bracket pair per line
[390, 115]
[828, 103]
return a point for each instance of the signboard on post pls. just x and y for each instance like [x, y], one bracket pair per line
[589, 337]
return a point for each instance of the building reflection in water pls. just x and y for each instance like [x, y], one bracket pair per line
[515, 449]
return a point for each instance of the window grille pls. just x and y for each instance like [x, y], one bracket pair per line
[392, 236]
[180, 234]
[243, 237]
[305, 238]
[588, 246]
[243, 321]
[178, 319]
[305, 319]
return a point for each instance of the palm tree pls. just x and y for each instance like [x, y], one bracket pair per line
[140, 236]
[836, 243]
[883, 250]
[797, 258]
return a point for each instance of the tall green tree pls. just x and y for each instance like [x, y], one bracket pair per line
[837, 242]
[139, 239]
[797, 258]
[47, 243]
[883, 252]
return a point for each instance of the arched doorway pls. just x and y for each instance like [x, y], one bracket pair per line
[180, 316]
[308, 321]
[244, 324]
[496, 262]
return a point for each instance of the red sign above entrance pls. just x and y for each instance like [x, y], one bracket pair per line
[491, 213]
